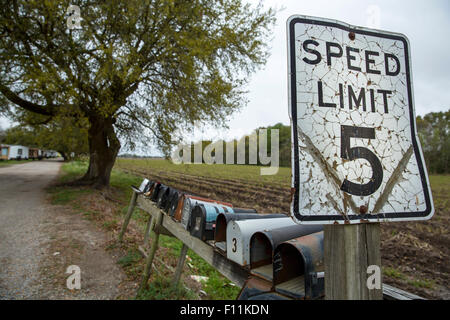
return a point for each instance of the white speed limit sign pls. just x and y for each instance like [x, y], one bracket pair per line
[356, 156]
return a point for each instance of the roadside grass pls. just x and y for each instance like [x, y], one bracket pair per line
[216, 287]
[393, 273]
[11, 162]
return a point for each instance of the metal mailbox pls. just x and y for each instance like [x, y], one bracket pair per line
[203, 219]
[163, 189]
[154, 191]
[143, 185]
[220, 232]
[188, 205]
[148, 186]
[149, 189]
[263, 243]
[163, 200]
[258, 289]
[185, 205]
[298, 267]
[173, 193]
[240, 232]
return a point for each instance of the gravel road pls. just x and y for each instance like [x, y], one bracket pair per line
[38, 241]
[22, 210]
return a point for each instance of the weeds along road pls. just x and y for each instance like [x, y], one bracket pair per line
[22, 210]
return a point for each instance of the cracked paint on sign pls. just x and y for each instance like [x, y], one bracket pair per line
[356, 84]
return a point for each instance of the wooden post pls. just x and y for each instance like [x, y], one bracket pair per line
[128, 216]
[180, 265]
[348, 250]
[148, 229]
[151, 254]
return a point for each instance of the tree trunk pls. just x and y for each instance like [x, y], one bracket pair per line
[103, 149]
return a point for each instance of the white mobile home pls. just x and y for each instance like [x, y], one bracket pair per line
[17, 153]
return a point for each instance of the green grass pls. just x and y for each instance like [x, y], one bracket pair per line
[393, 273]
[220, 171]
[11, 162]
[217, 287]
[424, 283]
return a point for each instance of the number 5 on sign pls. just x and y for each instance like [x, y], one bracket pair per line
[356, 155]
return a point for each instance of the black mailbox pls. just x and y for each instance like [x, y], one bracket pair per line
[163, 189]
[174, 202]
[155, 191]
[298, 267]
[263, 243]
[167, 200]
[203, 219]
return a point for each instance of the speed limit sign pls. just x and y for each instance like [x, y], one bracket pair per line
[356, 156]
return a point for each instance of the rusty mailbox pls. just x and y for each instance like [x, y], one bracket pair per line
[203, 219]
[220, 232]
[298, 267]
[240, 232]
[263, 244]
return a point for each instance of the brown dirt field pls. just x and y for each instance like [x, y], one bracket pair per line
[415, 255]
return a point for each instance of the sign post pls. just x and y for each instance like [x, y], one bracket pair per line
[356, 157]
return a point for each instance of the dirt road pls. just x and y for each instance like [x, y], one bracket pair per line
[38, 241]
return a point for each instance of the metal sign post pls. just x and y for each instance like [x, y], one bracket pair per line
[356, 156]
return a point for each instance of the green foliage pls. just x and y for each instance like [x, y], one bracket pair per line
[142, 68]
[434, 134]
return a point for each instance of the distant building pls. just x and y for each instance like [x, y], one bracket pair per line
[13, 152]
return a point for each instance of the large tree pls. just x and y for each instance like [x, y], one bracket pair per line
[132, 66]
[434, 134]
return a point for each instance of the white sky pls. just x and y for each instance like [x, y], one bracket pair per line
[425, 23]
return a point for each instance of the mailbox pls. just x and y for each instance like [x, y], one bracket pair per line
[258, 289]
[239, 233]
[143, 185]
[298, 267]
[263, 243]
[163, 189]
[185, 205]
[203, 219]
[220, 233]
[149, 189]
[154, 191]
[188, 205]
[168, 203]
[148, 186]
[174, 203]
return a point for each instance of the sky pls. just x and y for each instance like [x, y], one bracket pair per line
[425, 23]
